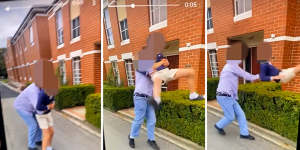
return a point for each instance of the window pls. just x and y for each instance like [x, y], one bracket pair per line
[108, 29]
[115, 68]
[209, 19]
[158, 14]
[122, 18]
[129, 72]
[75, 28]
[75, 21]
[62, 71]
[59, 28]
[31, 36]
[124, 30]
[76, 70]
[242, 6]
[213, 62]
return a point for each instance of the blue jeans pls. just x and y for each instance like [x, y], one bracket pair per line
[142, 110]
[34, 131]
[231, 109]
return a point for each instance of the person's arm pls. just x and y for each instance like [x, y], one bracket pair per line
[263, 73]
[243, 74]
[158, 64]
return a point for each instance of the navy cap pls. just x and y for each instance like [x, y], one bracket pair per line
[159, 57]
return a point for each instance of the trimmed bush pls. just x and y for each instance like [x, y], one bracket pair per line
[182, 117]
[93, 109]
[212, 85]
[269, 107]
[70, 96]
[116, 98]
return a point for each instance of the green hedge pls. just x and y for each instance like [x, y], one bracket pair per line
[116, 98]
[93, 109]
[212, 85]
[182, 117]
[70, 96]
[269, 107]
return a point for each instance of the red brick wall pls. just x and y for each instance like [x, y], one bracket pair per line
[272, 17]
[89, 35]
[184, 24]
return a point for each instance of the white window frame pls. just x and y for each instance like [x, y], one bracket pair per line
[114, 65]
[125, 30]
[76, 72]
[75, 28]
[62, 70]
[162, 23]
[129, 71]
[109, 42]
[59, 31]
[245, 14]
[213, 65]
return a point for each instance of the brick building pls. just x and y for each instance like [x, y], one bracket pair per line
[74, 34]
[67, 33]
[28, 45]
[126, 30]
[254, 21]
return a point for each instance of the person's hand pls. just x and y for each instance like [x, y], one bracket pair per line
[51, 106]
[165, 62]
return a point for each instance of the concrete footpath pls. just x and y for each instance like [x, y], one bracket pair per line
[117, 128]
[264, 139]
[68, 135]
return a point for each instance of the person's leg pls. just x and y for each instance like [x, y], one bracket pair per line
[140, 106]
[297, 69]
[32, 126]
[226, 104]
[241, 118]
[151, 121]
[38, 137]
[46, 138]
[51, 133]
[190, 75]
[156, 89]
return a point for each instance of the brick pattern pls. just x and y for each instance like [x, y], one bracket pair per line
[276, 17]
[183, 24]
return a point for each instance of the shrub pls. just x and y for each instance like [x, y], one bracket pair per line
[212, 85]
[116, 98]
[70, 96]
[93, 109]
[269, 107]
[182, 117]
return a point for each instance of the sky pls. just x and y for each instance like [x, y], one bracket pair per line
[11, 20]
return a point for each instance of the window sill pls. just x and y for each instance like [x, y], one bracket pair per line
[125, 42]
[158, 26]
[242, 16]
[110, 46]
[210, 31]
[74, 40]
[60, 46]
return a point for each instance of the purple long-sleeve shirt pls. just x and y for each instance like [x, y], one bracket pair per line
[229, 79]
[27, 100]
[143, 84]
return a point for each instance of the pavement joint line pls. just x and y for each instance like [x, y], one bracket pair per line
[161, 133]
[65, 115]
[259, 131]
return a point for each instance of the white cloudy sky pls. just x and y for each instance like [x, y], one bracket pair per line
[10, 20]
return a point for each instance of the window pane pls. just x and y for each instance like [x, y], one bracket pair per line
[248, 5]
